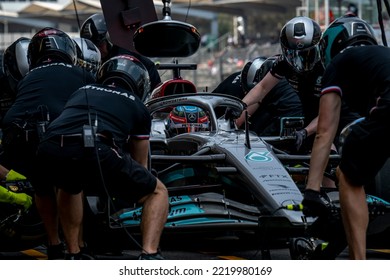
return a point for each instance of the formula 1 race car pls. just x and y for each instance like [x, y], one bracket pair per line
[222, 179]
[219, 178]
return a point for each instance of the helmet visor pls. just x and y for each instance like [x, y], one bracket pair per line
[303, 60]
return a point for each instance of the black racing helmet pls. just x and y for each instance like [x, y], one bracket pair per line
[51, 43]
[126, 71]
[15, 62]
[250, 73]
[345, 31]
[95, 29]
[88, 54]
[299, 40]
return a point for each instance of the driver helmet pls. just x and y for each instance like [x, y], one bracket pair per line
[127, 72]
[184, 119]
[299, 41]
[15, 63]
[348, 30]
[51, 43]
[95, 29]
[253, 72]
[88, 55]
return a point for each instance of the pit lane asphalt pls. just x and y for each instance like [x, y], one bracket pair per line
[227, 248]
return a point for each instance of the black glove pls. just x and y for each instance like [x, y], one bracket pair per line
[231, 114]
[300, 136]
[315, 204]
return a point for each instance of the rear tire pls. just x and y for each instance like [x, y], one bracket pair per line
[25, 233]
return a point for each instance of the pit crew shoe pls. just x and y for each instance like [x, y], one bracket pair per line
[155, 256]
[56, 252]
[301, 248]
[78, 256]
[315, 204]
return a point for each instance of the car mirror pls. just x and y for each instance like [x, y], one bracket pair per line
[166, 38]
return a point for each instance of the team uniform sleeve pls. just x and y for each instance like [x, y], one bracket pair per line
[279, 68]
[334, 89]
[330, 81]
[142, 126]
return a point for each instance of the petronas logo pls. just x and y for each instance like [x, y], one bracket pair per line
[259, 157]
